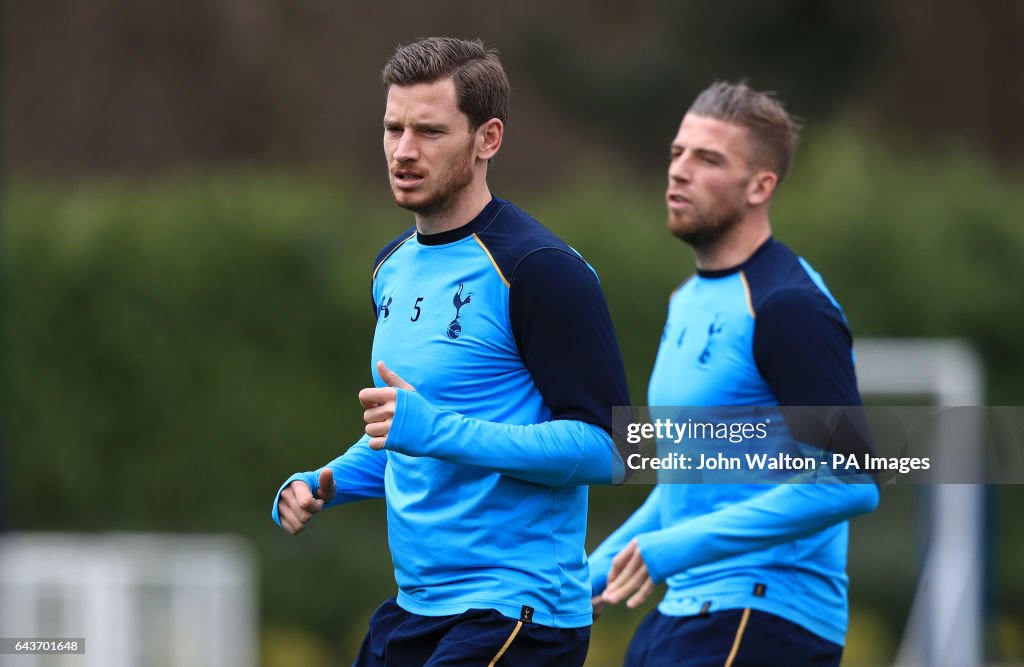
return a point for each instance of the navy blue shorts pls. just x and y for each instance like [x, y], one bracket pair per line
[477, 638]
[734, 638]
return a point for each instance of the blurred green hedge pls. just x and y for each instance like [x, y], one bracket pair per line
[173, 350]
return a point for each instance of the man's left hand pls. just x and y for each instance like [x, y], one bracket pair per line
[628, 578]
[379, 404]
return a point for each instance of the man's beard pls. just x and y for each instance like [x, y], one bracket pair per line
[706, 227]
[458, 176]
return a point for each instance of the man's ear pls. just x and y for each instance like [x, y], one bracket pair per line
[488, 138]
[761, 187]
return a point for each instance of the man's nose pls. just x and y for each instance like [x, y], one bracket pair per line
[406, 150]
[679, 171]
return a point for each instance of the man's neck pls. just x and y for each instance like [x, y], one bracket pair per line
[735, 246]
[466, 206]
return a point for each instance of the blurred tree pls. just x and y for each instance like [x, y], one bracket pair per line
[816, 55]
[115, 85]
[954, 74]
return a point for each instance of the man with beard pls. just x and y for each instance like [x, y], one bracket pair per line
[483, 429]
[756, 572]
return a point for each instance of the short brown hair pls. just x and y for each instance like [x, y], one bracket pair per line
[481, 87]
[774, 132]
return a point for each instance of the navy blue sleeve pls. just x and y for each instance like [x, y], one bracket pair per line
[804, 351]
[565, 336]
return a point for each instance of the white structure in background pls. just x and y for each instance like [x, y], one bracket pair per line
[945, 625]
[137, 599]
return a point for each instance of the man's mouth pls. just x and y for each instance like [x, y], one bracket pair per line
[407, 180]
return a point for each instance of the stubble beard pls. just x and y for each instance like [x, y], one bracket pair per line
[704, 228]
[453, 182]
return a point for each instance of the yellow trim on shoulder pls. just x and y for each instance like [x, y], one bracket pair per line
[381, 262]
[739, 637]
[519, 625]
[491, 257]
[746, 288]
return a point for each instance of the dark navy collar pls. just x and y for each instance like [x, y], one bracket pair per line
[475, 225]
[722, 273]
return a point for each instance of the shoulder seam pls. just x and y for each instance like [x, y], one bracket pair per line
[373, 276]
[746, 291]
[483, 246]
[494, 262]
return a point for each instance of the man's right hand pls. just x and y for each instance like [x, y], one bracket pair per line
[297, 504]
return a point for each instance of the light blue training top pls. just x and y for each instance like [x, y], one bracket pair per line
[504, 333]
[765, 333]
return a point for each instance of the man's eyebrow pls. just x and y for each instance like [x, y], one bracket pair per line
[417, 125]
[429, 125]
[709, 152]
[699, 150]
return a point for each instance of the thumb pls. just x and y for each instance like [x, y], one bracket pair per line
[327, 488]
[391, 378]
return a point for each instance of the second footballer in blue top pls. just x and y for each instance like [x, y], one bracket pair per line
[756, 573]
